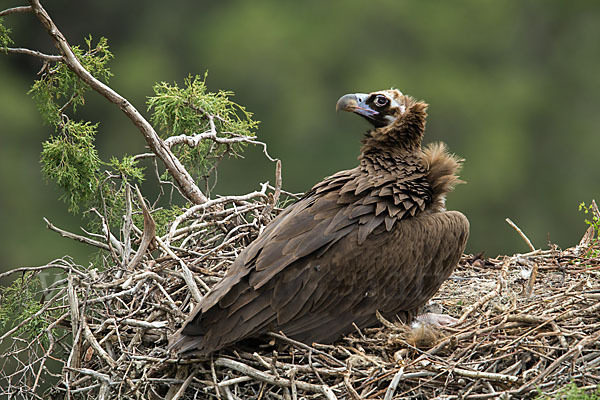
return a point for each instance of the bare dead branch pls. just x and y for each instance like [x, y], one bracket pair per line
[14, 10]
[74, 236]
[50, 265]
[149, 231]
[192, 210]
[520, 232]
[127, 225]
[187, 274]
[194, 140]
[475, 374]
[278, 381]
[34, 53]
[144, 155]
[114, 245]
[89, 336]
[389, 394]
[531, 281]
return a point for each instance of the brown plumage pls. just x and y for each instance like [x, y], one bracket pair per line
[375, 237]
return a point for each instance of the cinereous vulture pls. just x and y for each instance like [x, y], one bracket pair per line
[373, 238]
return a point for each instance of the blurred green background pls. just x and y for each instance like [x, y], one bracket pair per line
[513, 87]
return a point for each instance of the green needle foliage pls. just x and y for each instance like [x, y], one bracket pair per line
[21, 301]
[187, 111]
[572, 392]
[69, 158]
[59, 88]
[5, 40]
[71, 161]
[127, 166]
[593, 223]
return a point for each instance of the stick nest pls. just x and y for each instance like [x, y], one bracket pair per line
[527, 323]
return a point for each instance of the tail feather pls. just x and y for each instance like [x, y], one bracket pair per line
[182, 343]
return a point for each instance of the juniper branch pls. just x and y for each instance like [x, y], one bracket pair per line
[172, 163]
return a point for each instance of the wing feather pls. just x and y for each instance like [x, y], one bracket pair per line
[365, 229]
[398, 282]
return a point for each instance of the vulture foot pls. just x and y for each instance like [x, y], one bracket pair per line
[438, 320]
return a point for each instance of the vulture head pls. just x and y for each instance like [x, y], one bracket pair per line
[397, 119]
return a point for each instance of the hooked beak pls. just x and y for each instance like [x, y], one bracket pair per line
[356, 103]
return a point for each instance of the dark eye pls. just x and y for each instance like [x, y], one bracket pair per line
[381, 101]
